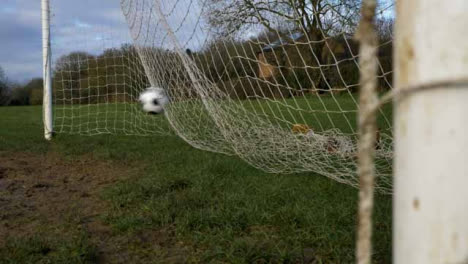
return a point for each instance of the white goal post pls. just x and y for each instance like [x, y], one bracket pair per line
[431, 143]
[47, 64]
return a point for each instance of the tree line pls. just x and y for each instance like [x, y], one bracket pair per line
[112, 76]
[13, 93]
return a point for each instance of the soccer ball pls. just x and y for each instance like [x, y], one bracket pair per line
[153, 100]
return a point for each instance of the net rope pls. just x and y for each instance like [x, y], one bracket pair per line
[273, 82]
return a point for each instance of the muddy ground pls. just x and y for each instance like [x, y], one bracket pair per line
[51, 194]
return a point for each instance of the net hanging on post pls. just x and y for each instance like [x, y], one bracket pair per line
[274, 82]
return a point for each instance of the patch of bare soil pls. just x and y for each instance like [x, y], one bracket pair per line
[38, 191]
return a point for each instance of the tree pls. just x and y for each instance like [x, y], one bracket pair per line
[316, 18]
[326, 26]
[4, 88]
[19, 95]
[35, 90]
[80, 77]
[71, 71]
[316, 22]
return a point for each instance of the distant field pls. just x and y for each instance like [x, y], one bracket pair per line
[320, 112]
[129, 199]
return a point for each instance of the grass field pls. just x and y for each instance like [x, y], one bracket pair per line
[331, 112]
[155, 199]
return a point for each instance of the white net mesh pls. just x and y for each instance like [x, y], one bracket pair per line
[97, 74]
[274, 82]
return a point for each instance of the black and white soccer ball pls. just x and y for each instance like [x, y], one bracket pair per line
[153, 100]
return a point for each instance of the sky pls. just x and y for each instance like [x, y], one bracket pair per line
[20, 31]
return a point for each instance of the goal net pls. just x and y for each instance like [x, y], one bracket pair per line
[273, 82]
[97, 75]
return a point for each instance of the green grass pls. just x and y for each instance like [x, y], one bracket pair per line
[219, 208]
[338, 111]
[45, 248]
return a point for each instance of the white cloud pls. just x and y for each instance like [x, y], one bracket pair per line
[80, 24]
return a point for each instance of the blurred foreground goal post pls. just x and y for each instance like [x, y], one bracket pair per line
[431, 146]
